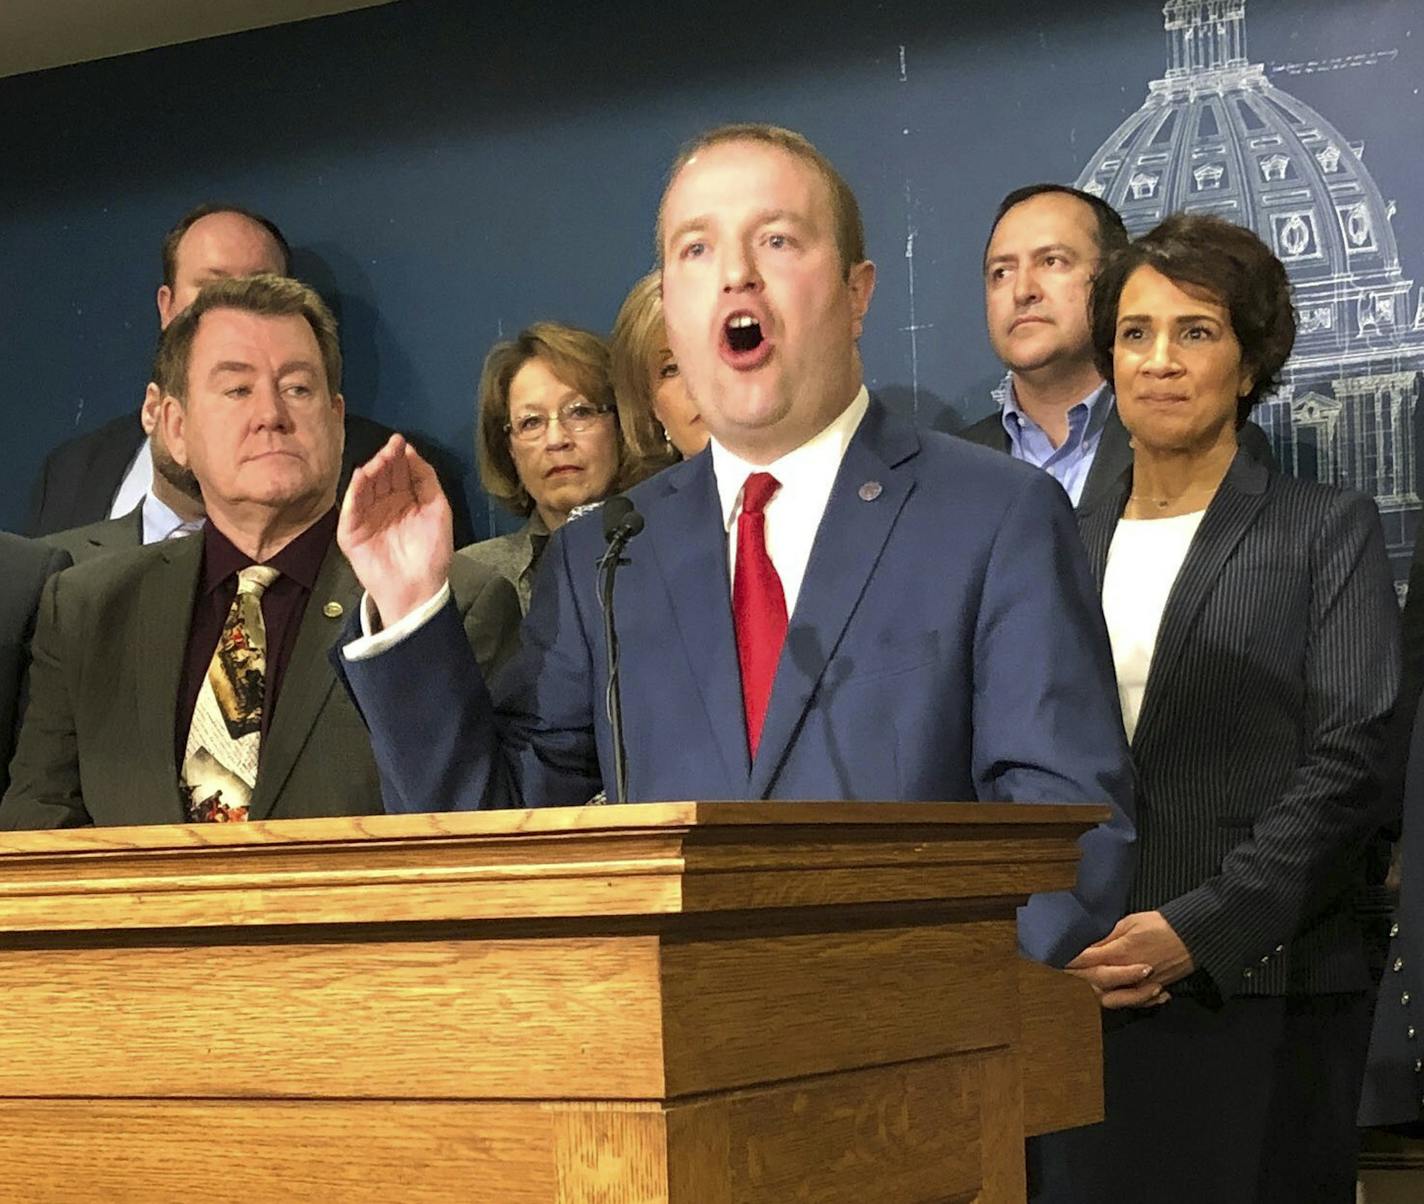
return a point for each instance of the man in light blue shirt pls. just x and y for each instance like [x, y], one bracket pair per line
[1069, 460]
[1055, 411]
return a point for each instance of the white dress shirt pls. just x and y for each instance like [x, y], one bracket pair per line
[1143, 562]
[793, 517]
[137, 483]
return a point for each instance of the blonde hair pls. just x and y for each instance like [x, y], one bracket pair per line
[639, 336]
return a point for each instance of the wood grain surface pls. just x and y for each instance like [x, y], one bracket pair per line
[677, 1003]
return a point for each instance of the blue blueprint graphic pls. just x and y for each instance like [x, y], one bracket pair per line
[1216, 135]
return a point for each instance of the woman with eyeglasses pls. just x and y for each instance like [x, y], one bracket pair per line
[547, 439]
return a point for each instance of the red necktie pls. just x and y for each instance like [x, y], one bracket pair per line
[758, 604]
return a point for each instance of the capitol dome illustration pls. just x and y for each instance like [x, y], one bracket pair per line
[1216, 136]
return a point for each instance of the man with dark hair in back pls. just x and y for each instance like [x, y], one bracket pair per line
[1056, 411]
[118, 486]
[191, 679]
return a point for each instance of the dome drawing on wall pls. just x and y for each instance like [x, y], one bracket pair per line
[1216, 136]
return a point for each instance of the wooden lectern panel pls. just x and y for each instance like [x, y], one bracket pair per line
[680, 1003]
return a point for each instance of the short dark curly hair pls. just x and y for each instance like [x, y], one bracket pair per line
[1209, 254]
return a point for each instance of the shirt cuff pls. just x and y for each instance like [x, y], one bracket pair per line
[373, 643]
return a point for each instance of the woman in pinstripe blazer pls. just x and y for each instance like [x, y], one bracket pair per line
[1255, 633]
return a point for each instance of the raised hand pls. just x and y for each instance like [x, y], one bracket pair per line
[395, 529]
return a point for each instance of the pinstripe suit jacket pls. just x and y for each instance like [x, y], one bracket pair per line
[1261, 739]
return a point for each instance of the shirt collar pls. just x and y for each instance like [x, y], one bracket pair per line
[161, 522]
[814, 463]
[300, 560]
[1093, 406]
[536, 535]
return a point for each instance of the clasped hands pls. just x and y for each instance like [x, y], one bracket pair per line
[1134, 964]
[396, 530]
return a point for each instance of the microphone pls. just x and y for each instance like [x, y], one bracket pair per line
[621, 522]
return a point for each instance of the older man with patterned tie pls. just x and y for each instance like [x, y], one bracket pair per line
[190, 680]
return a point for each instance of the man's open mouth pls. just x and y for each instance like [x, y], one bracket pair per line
[744, 345]
[743, 333]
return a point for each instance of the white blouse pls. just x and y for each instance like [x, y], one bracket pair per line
[1143, 562]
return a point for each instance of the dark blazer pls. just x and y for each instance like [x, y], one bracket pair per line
[79, 478]
[97, 745]
[1114, 454]
[1394, 1075]
[913, 667]
[1394, 1082]
[98, 539]
[24, 568]
[1264, 720]
[1411, 688]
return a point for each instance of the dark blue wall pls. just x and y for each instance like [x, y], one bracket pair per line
[452, 170]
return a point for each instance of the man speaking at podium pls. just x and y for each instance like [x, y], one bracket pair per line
[827, 604]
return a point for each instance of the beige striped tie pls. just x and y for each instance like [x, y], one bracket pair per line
[224, 741]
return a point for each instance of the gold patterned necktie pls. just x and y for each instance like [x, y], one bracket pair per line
[220, 759]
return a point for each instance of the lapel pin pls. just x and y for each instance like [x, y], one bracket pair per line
[333, 610]
[870, 491]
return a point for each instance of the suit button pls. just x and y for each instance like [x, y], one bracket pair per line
[1394, 928]
[1418, 1065]
[1246, 973]
[1266, 961]
[1404, 999]
[1409, 1032]
[1280, 948]
[1398, 964]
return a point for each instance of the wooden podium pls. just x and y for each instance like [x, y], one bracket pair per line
[696, 1003]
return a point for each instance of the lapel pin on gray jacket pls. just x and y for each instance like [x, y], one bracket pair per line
[333, 610]
[870, 491]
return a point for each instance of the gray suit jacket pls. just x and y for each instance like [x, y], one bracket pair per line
[1259, 745]
[514, 556]
[97, 745]
[99, 539]
[25, 565]
[1114, 454]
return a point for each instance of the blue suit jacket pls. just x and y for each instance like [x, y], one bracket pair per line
[947, 644]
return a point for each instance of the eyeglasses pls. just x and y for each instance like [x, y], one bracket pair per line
[575, 417]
